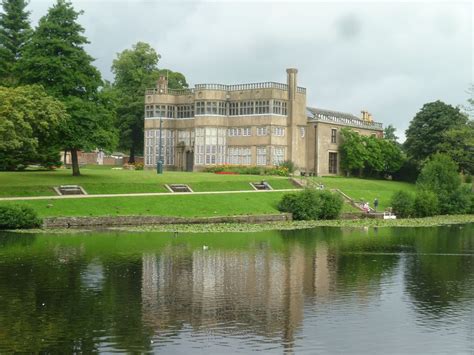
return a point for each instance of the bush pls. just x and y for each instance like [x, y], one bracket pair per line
[457, 202]
[311, 204]
[425, 204]
[289, 165]
[138, 166]
[471, 208]
[18, 217]
[402, 204]
[468, 179]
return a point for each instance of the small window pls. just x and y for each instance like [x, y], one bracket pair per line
[333, 135]
[302, 132]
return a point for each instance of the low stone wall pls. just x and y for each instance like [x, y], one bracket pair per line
[109, 221]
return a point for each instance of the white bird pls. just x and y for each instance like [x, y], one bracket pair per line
[205, 247]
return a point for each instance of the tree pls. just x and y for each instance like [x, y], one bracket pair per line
[458, 143]
[427, 130]
[353, 151]
[15, 32]
[135, 70]
[389, 133]
[440, 175]
[29, 124]
[55, 57]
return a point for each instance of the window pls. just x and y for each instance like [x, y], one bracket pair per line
[333, 135]
[200, 107]
[261, 156]
[279, 107]
[262, 107]
[167, 146]
[160, 111]
[332, 163]
[262, 131]
[185, 111]
[302, 132]
[222, 108]
[149, 111]
[279, 131]
[239, 155]
[233, 109]
[236, 132]
[246, 108]
[210, 146]
[211, 107]
[170, 111]
[278, 155]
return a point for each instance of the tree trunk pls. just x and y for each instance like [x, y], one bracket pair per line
[65, 157]
[131, 158]
[75, 163]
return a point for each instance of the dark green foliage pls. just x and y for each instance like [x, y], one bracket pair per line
[311, 204]
[427, 130]
[18, 217]
[468, 179]
[55, 58]
[247, 170]
[389, 133]
[408, 172]
[369, 155]
[458, 143]
[457, 202]
[15, 32]
[426, 204]
[402, 204]
[471, 206]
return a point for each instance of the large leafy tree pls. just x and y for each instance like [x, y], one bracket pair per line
[427, 130]
[15, 32]
[353, 151]
[29, 127]
[389, 133]
[458, 143]
[55, 57]
[135, 70]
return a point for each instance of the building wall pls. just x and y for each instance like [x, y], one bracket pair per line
[305, 142]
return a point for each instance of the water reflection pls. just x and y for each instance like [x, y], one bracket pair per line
[325, 289]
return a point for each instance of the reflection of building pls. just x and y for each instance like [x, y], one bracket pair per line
[259, 291]
[258, 124]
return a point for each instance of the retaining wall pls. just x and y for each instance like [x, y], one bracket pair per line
[108, 221]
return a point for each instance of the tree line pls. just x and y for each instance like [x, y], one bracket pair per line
[438, 128]
[53, 98]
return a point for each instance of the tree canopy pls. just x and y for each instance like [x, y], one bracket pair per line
[55, 58]
[135, 70]
[30, 121]
[15, 31]
[369, 155]
[427, 131]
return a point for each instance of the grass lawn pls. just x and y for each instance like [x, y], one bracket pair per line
[176, 205]
[100, 180]
[365, 189]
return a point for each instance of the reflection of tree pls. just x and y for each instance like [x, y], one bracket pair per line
[437, 282]
[9, 239]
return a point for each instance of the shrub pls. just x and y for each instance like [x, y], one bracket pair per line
[402, 204]
[289, 165]
[468, 179]
[138, 166]
[18, 217]
[425, 204]
[311, 204]
[471, 208]
[457, 202]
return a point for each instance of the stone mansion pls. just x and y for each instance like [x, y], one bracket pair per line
[260, 124]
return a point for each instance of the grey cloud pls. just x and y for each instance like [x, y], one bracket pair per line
[389, 58]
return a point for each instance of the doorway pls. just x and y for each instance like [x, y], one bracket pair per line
[189, 160]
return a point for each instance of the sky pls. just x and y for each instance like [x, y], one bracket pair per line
[389, 58]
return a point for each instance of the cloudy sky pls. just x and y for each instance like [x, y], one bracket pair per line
[387, 57]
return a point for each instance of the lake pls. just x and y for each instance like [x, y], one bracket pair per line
[321, 290]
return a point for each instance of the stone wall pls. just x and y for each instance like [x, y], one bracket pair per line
[109, 221]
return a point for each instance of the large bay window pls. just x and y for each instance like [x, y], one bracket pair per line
[210, 146]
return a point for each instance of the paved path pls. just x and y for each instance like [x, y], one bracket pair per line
[25, 198]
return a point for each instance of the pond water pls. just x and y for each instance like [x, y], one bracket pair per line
[322, 290]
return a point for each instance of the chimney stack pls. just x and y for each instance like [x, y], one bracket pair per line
[162, 84]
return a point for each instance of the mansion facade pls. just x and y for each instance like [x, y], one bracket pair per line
[260, 124]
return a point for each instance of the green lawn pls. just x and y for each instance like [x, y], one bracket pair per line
[176, 205]
[366, 189]
[107, 181]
